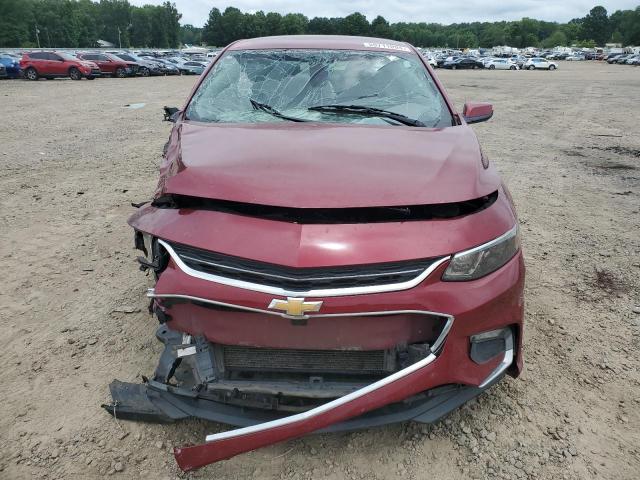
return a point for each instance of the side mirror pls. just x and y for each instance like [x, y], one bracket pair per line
[171, 114]
[474, 112]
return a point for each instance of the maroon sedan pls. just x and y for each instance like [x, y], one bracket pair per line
[111, 65]
[331, 249]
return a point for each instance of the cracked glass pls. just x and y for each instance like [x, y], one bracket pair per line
[292, 81]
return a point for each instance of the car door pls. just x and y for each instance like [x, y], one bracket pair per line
[56, 64]
[104, 64]
[40, 61]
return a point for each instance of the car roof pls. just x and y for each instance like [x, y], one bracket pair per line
[329, 42]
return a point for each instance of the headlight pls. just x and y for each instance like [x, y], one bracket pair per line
[484, 259]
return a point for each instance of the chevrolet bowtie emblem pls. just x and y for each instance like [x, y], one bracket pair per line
[294, 307]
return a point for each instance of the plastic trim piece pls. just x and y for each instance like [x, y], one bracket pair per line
[507, 359]
[330, 292]
[435, 347]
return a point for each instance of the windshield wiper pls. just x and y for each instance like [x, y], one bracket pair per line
[369, 111]
[272, 111]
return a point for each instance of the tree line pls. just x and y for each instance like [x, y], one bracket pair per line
[81, 23]
[594, 29]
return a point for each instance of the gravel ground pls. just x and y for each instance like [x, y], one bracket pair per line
[73, 306]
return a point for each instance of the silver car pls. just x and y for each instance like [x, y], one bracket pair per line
[537, 63]
[501, 64]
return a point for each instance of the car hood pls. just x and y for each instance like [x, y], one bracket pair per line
[311, 165]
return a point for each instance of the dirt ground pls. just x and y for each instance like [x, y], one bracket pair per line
[73, 308]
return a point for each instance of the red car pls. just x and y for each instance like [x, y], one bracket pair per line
[332, 250]
[110, 64]
[57, 64]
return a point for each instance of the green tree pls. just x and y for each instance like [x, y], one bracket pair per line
[323, 26]
[595, 26]
[355, 24]
[380, 27]
[212, 32]
[141, 27]
[294, 24]
[231, 25]
[557, 38]
[190, 35]
[17, 23]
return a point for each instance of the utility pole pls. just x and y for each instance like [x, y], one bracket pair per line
[38, 36]
[119, 41]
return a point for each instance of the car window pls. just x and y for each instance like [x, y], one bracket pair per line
[38, 56]
[101, 58]
[53, 56]
[68, 57]
[291, 81]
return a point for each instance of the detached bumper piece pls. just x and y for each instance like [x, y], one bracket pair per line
[393, 398]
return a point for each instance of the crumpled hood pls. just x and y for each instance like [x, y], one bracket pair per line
[327, 165]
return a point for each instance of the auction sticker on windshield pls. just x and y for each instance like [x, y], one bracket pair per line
[388, 46]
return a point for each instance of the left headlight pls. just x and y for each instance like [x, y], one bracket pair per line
[483, 259]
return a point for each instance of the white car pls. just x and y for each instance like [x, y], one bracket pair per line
[537, 63]
[501, 64]
[432, 61]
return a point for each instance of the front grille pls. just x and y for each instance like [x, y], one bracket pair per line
[300, 279]
[308, 361]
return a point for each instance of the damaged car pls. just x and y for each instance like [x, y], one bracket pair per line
[330, 249]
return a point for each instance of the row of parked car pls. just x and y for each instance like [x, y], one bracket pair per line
[622, 58]
[492, 63]
[54, 64]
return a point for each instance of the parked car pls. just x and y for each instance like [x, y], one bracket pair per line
[11, 66]
[193, 68]
[112, 66]
[537, 63]
[575, 58]
[501, 64]
[145, 66]
[463, 62]
[633, 60]
[168, 67]
[3, 71]
[519, 60]
[441, 60]
[328, 254]
[57, 64]
[622, 58]
[613, 58]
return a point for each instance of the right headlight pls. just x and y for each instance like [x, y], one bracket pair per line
[483, 259]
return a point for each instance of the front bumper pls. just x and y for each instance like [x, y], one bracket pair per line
[424, 391]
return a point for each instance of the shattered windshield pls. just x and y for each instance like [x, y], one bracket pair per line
[248, 86]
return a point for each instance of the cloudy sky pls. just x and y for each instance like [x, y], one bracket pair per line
[196, 12]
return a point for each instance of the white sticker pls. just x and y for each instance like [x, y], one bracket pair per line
[387, 46]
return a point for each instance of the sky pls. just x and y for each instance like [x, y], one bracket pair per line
[196, 12]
